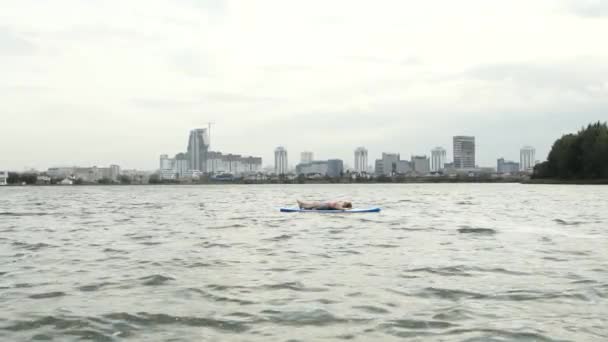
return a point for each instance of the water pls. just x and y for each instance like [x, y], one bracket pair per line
[463, 262]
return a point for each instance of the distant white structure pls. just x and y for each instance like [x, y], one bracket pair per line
[527, 159]
[66, 181]
[438, 157]
[280, 161]
[3, 177]
[361, 160]
[306, 157]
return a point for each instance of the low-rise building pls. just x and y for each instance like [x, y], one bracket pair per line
[233, 163]
[507, 167]
[331, 168]
[421, 165]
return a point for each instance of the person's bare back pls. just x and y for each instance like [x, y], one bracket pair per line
[331, 205]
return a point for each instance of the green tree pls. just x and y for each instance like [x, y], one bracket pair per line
[583, 155]
[124, 179]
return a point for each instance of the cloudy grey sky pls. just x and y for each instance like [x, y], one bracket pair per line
[97, 82]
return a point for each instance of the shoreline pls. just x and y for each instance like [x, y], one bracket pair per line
[421, 180]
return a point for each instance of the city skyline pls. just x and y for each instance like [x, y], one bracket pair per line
[146, 72]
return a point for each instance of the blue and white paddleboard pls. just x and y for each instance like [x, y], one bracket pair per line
[350, 211]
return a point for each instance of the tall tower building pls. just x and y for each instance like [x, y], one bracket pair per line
[198, 147]
[438, 156]
[527, 159]
[280, 160]
[306, 157]
[361, 160]
[464, 152]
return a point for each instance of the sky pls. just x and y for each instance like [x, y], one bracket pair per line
[87, 82]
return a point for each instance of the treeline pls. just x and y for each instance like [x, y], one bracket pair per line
[583, 156]
[20, 178]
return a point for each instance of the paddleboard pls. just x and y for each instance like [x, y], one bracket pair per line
[350, 211]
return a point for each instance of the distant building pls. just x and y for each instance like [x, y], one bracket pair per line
[527, 158]
[331, 168]
[421, 165]
[280, 161]
[438, 157]
[314, 167]
[3, 177]
[166, 163]
[306, 157]
[464, 152]
[233, 163]
[403, 167]
[198, 146]
[94, 174]
[335, 168]
[60, 172]
[387, 166]
[506, 167]
[360, 160]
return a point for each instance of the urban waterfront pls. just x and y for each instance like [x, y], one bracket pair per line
[448, 262]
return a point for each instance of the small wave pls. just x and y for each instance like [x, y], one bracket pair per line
[32, 246]
[93, 287]
[499, 335]
[418, 324]
[236, 225]
[10, 213]
[155, 280]
[566, 223]
[527, 295]
[148, 319]
[47, 295]
[294, 286]
[112, 250]
[465, 203]
[453, 315]
[371, 309]
[207, 244]
[280, 238]
[481, 231]
[302, 318]
[458, 271]
[450, 294]
[217, 298]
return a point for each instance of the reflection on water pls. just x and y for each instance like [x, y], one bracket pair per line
[443, 262]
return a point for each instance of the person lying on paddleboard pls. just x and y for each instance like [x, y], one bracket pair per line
[332, 205]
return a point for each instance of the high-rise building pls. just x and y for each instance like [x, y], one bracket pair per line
[438, 156]
[198, 146]
[280, 161]
[464, 152]
[506, 167]
[361, 160]
[388, 164]
[166, 163]
[421, 165]
[527, 159]
[306, 157]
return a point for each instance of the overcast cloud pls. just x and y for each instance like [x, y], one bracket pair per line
[101, 82]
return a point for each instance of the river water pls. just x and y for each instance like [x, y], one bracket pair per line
[461, 262]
